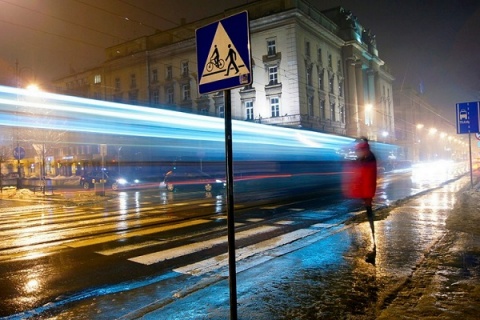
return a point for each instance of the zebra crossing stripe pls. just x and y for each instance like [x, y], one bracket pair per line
[169, 254]
[220, 261]
[129, 234]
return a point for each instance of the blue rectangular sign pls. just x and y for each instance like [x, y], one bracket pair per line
[223, 54]
[467, 115]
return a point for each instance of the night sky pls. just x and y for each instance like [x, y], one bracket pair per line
[432, 44]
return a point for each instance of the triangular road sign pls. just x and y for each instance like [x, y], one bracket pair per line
[223, 59]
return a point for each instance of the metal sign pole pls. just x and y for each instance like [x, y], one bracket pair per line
[470, 158]
[230, 206]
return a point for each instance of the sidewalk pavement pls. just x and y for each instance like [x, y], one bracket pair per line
[426, 267]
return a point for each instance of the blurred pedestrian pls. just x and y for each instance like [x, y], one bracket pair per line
[360, 180]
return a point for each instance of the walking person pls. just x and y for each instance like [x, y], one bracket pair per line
[360, 182]
[232, 56]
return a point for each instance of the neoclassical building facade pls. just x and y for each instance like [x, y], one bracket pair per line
[312, 70]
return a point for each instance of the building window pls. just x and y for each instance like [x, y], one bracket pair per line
[168, 73]
[310, 105]
[133, 80]
[307, 49]
[271, 47]
[331, 81]
[309, 76]
[275, 106]
[117, 83]
[339, 67]
[273, 75]
[321, 83]
[249, 110]
[323, 114]
[319, 56]
[154, 75]
[97, 79]
[169, 95]
[220, 111]
[340, 88]
[185, 69]
[156, 96]
[330, 63]
[186, 92]
[332, 111]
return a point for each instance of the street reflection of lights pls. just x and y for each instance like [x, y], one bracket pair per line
[32, 286]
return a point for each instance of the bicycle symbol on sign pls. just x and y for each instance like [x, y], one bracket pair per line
[219, 64]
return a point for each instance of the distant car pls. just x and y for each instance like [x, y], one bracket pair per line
[191, 180]
[110, 179]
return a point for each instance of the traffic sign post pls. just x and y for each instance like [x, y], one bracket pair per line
[468, 121]
[224, 62]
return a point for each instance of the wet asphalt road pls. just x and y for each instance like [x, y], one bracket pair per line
[326, 265]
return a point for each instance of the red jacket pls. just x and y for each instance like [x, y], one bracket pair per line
[360, 176]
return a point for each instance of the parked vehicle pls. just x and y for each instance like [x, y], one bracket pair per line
[191, 180]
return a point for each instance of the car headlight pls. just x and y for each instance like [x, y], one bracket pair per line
[122, 181]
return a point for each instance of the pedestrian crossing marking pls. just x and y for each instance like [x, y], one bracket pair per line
[129, 234]
[217, 262]
[155, 257]
[129, 248]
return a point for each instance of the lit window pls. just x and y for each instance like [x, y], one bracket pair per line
[271, 47]
[97, 79]
[249, 110]
[275, 107]
[273, 75]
